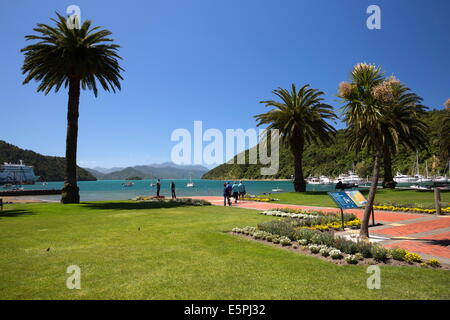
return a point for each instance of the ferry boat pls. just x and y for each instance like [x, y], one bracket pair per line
[320, 180]
[11, 173]
[350, 178]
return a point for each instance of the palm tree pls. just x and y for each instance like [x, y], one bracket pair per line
[300, 118]
[402, 125]
[444, 141]
[380, 114]
[74, 58]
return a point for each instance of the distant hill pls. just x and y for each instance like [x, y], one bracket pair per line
[49, 168]
[335, 159]
[167, 170]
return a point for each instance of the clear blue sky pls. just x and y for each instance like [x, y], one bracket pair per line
[213, 60]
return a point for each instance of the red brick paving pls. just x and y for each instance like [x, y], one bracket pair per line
[417, 227]
[434, 250]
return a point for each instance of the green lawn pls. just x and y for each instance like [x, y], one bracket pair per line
[397, 196]
[178, 253]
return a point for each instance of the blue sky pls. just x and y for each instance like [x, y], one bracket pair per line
[213, 60]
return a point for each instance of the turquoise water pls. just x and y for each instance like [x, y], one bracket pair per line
[113, 189]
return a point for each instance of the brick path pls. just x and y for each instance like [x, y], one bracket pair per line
[425, 234]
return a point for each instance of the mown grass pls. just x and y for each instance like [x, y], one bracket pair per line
[322, 199]
[138, 251]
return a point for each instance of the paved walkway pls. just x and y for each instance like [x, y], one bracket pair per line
[425, 234]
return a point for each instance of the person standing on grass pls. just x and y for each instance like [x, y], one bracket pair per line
[235, 192]
[172, 188]
[158, 187]
[241, 188]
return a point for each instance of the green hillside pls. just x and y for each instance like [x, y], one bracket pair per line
[47, 167]
[336, 159]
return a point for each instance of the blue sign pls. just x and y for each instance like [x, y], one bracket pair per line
[342, 199]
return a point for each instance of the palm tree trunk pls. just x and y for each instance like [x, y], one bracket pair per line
[388, 180]
[364, 231]
[299, 181]
[70, 191]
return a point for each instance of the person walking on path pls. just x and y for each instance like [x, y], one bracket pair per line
[172, 188]
[241, 188]
[158, 187]
[226, 194]
[235, 189]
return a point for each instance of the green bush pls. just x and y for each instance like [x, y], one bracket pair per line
[323, 238]
[306, 234]
[345, 245]
[379, 253]
[364, 248]
[278, 227]
[398, 253]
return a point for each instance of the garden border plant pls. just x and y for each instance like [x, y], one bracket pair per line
[339, 250]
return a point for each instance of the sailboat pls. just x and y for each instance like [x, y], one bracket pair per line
[190, 184]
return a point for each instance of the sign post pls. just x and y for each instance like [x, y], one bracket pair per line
[347, 200]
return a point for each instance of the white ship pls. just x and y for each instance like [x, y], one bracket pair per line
[11, 173]
[319, 180]
[403, 178]
[351, 177]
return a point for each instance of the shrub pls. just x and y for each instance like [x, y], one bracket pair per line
[412, 257]
[306, 234]
[325, 251]
[237, 230]
[314, 248]
[358, 256]
[398, 253]
[345, 245]
[433, 263]
[336, 254]
[285, 241]
[283, 228]
[276, 239]
[379, 253]
[352, 259]
[365, 248]
[269, 238]
[324, 238]
[303, 242]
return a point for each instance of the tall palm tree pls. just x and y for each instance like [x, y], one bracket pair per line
[300, 118]
[76, 58]
[402, 125]
[363, 113]
[380, 114]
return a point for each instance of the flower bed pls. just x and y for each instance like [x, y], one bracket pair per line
[409, 209]
[183, 201]
[339, 250]
[258, 198]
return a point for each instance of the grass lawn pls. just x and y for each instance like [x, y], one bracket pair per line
[178, 253]
[396, 196]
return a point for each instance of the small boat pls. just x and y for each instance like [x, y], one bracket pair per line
[421, 188]
[190, 184]
[403, 178]
[128, 184]
[277, 190]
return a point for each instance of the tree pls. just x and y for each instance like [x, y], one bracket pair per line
[300, 118]
[76, 58]
[444, 141]
[402, 123]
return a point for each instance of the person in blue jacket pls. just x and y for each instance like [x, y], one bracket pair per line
[235, 190]
[226, 194]
[241, 188]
